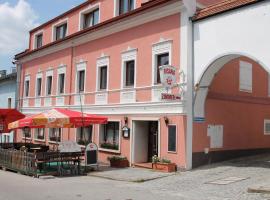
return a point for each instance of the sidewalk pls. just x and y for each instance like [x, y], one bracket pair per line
[263, 188]
[129, 174]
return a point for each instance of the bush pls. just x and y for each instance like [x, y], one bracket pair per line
[116, 158]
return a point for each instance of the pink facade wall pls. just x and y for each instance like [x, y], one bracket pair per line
[243, 121]
[106, 12]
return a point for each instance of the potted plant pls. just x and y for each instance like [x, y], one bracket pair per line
[118, 161]
[163, 164]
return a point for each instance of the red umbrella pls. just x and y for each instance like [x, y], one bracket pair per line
[7, 116]
[58, 118]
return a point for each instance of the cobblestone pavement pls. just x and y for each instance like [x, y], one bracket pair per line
[192, 185]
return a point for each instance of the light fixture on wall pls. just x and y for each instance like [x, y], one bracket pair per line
[166, 120]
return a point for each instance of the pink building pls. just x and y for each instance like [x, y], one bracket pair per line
[103, 57]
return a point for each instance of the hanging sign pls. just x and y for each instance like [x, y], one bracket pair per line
[91, 153]
[168, 76]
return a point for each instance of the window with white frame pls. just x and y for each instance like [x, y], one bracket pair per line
[39, 134]
[80, 80]
[267, 127]
[102, 77]
[27, 135]
[38, 86]
[55, 134]
[161, 55]
[60, 30]
[124, 6]
[84, 135]
[109, 136]
[245, 76]
[90, 18]
[38, 40]
[49, 85]
[129, 68]
[172, 138]
[26, 86]
[61, 83]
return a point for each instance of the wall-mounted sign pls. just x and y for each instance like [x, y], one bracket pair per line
[126, 132]
[168, 76]
[172, 97]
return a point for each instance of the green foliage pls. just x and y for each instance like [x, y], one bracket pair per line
[156, 159]
[117, 158]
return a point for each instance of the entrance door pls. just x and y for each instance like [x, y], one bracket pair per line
[152, 140]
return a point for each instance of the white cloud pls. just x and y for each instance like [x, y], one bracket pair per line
[15, 23]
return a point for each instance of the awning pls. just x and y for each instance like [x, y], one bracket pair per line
[58, 118]
[7, 116]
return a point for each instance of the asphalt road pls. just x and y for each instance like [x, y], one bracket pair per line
[192, 185]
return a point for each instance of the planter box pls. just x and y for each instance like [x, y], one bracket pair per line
[119, 163]
[164, 167]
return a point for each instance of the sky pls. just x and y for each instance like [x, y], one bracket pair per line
[18, 17]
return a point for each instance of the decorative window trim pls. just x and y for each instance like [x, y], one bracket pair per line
[102, 61]
[116, 7]
[244, 65]
[61, 70]
[266, 121]
[39, 75]
[35, 38]
[87, 10]
[59, 23]
[26, 78]
[128, 55]
[176, 139]
[49, 73]
[161, 47]
[119, 138]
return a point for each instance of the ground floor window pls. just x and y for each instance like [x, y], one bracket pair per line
[6, 139]
[109, 136]
[26, 135]
[172, 138]
[39, 134]
[84, 135]
[55, 134]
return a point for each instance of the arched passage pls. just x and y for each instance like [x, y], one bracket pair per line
[234, 119]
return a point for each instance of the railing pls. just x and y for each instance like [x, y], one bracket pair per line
[19, 161]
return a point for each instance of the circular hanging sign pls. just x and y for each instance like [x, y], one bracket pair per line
[167, 76]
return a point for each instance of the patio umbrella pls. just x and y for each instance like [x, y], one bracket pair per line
[58, 118]
[7, 116]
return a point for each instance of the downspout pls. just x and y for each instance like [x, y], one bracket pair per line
[17, 93]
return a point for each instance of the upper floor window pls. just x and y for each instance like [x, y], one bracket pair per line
[38, 40]
[81, 79]
[60, 31]
[126, 6]
[26, 88]
[38, 87]
[91, 18]
[61, 83]
[129, 73]
[49, 86]
[162, 59]
[103, 78]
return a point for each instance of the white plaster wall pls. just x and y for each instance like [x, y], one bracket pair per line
[244, 31]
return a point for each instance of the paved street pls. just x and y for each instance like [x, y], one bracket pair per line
[193, 185]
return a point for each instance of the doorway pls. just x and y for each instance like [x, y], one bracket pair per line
[145, 141]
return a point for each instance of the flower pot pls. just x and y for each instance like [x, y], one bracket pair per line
[164, 167]
[119, 163]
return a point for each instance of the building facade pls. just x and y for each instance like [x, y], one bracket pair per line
[103, 57]
[8, 89]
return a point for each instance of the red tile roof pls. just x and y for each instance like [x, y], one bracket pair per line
[222, 7]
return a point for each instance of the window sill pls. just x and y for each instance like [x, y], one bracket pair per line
[26, 138]
[109, 150]
[39, 140]
[172, 152]
[53, 142]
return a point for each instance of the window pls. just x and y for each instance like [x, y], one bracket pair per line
[61, 83]
[39, 134]
[245, 76]
[109, 136]
[38, 41]
[129, 73]
[84, 135]
[162, 59]
[172, 138]
[26, 88]
[9, 102]
[38, 87]
[125, 6]
[6, 138]
[266, 127]
[49, 85]
[103, 78]
[60, 31]
[27, 135]
[55, 134]
[91, 18]
[81, 79]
